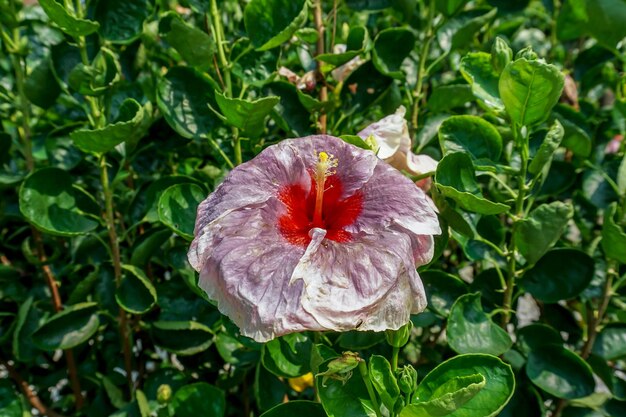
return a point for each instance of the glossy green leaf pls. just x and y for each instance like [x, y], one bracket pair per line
[68, 328]
[442, 290]
[269, 23]
[455, 178]
[11, 404]
[448, 398]
[613, 236]
[296, 408]
[606, 21]
[497, 391]
[529, 90]
[536, 335]
[550, 143]
[199, 399]
[391, 47]
[476, 68]
[561, 274]
[269, 390]
[621, 177]
[560, 372]
[383, 381]
[98, 77]
[355, 44]
[50, 201]
[182, 337]
[459, 31]
[121, 21]
[342, 399]
[147, 245]
[449, 7]
[247, 115]
[610, 343]
[446, 97]
[42, 75]
[470, 134]
[28, 320]
[68, 23]
[128, 126]
[470, 330]
[194, 45]
[135, 294]
[537, 233]
[289, 113]
[288, 356]
[177, 208]
[358, 340]
[182, 96]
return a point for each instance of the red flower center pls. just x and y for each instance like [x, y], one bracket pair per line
[336, 214]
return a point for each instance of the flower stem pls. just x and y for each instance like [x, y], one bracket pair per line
[394, 358]
[220, 39]
[319, 26]
[368, 385]
[421, 72]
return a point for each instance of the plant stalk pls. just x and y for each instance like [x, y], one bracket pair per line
[321, 30]
[368, 385]
[421, 72]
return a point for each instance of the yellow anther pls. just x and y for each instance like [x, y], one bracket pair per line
[323, 157]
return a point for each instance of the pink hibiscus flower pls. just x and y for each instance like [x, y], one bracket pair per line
[314, 234]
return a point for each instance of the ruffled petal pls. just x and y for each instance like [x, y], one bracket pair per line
[394, 199]
[388, 133]
[247, 271]
[366, 284]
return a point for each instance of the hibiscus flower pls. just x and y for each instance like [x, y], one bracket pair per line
[314, 234]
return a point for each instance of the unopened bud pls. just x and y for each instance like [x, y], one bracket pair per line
[501, 54]
[164, 393]
[527, 53]
[400, 337]
[407, 379]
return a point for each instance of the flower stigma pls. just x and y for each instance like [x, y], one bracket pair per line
[323, 170]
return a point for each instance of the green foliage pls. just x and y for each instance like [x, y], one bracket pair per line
[118, 117]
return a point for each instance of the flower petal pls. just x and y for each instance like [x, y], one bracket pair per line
[388, 132]
[378, 292]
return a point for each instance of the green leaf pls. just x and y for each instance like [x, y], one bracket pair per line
[561, 274]
[288, 356]
[177, 208]
[560, 372]
[269, 390]
[182, 337]
[621, 177]
[448, 398]
[50, 201]
[368, 4]
[182, 97]
[470, 134]
[449, 7]
[270, 23]
[135, 294]
[97, 78]
[536, 335]
[550, 143]
[290, 114]
[68, 23]
[68, 328]
[384, 381]
[606, 21]
[459, 31]
[610, 343]
[199, 399]
[355, 44]
[194, 46]
[447, 97]
[537, 233]
[359, 340]
[345, 398]
[497, 391]
[391, 47]
[470, 330]
[370, 86]
[296, 408]
[42, 75]
[249, 116]
[28, 320]
[121, 21]
[455, 178]
[529, 90]
[147, 244]
[613, 236]
[477, 70]
[442, 290]
[11, 404]
[129, 126]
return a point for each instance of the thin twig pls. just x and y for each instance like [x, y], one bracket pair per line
[30, 395]
[319, 26]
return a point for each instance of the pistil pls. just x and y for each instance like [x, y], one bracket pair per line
[323, 170]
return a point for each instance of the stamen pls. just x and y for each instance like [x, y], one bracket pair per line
[323, 170]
